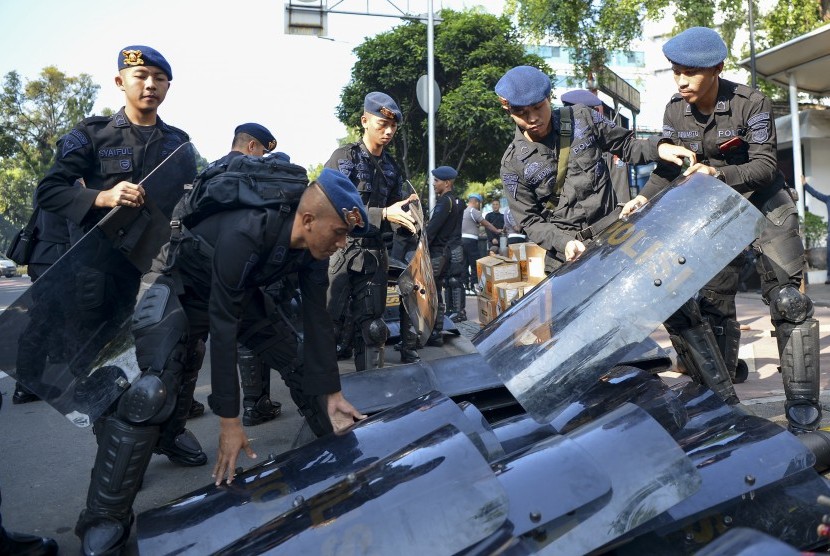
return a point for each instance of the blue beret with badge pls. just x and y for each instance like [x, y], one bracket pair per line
[523, 86]
[342, 193]
[445, 173]
[258, 132]
[382, 106]
[140, 55]
[696, 47]
[581, 96]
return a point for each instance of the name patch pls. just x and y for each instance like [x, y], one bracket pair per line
[112, 152]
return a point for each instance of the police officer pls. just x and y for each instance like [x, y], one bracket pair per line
[554, 176]
[730, 128]
[358, 273]
[445, 251]
[112, 154]
[253, 139]
[617, 168]
[496, 218]
[186, 297]
[470, 221]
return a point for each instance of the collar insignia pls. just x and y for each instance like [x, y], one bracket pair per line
[132, 58]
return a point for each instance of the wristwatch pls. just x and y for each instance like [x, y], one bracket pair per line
[719, 175]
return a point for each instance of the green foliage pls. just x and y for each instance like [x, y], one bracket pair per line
[33, 115]
[592, 28]
[472, 51]
[814, 228]
[314, 171]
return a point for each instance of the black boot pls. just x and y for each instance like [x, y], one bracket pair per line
[23, 395]
[197, 409]
[124, 452]
[27, 545]
[409, 338]
[260, 411]
[176, 442]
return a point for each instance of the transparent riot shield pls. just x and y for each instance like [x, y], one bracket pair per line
[416, 284]
[573, 327]
[94, 360]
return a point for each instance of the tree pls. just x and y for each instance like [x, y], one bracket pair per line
[472, 51]
[33, 115]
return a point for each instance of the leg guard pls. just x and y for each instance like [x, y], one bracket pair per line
[124, 451]
[728, 338]
[703, 361]
[344, 334]
[409, 339]
[311, 407]
[798, 345]
[436, 339]
[459, 300]
[256, 389]
[369, 346]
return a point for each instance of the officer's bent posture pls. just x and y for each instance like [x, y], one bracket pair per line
[210, 285]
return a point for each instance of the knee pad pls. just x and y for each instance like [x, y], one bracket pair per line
[375, 333]
[790, 305]
[151, 399]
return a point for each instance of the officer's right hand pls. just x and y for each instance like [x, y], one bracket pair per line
[397, 215]
[124, 194]
[573, 249]
[632, 205]
[341, 413]
[676, 154]
[232, 439]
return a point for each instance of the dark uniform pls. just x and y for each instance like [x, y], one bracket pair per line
[497, 220]
[358, 273]
[528, 170]
[46, 327]
[748, 165]
[446, 253]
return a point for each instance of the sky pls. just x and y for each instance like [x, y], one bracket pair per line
[232, 62]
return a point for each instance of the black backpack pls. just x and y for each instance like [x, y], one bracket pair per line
[243, 181]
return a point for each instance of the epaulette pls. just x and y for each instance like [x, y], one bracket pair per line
[676, 97]
[175, 129]
[97, 119]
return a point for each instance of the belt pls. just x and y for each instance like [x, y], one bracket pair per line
[469, 236]
[597, 227]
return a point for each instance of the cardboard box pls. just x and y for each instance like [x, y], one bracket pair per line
[531, 259]
[496, 269]
[507, 292]
[486, 309]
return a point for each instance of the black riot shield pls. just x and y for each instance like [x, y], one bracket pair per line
[576, 325]
[416, 284]
[96, 361]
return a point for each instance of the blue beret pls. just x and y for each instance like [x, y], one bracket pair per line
[476, 196]
[258, 132]
[696, 47]
[382, 106]
[344, 196]
[523, 86]
[445, 173]
[140, 55]
[581, 96]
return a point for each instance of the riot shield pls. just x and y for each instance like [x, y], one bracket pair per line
[416, 284]
[573, 327]
[96, 360]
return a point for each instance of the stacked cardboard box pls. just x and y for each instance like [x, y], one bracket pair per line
[531, 260]
[494, 271]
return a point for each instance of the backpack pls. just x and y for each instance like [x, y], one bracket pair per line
[243, 181]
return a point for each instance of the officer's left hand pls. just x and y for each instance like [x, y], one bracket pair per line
[232, 439]
[341, 413]
[396, 215]
[573, 249]
[676, 154]
[700, 168]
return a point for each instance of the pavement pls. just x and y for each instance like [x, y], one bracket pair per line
[45, 461]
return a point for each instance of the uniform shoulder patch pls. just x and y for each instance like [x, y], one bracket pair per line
[757, 118]
[511, 183]
[668, 132]
[345, 166]
[73, 141]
